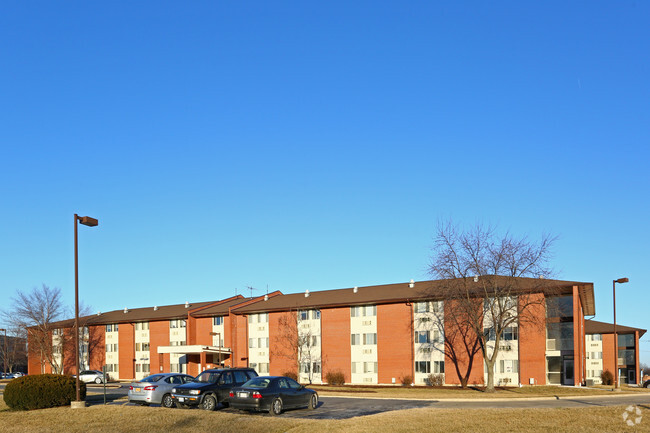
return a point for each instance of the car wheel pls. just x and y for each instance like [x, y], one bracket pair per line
[208, 403]
[167, 401]
[313, 401]
[98, 380]
[276, 407]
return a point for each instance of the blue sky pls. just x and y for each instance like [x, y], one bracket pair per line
[315, 146]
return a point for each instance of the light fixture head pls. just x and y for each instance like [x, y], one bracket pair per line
[622, 280]
[88, 221]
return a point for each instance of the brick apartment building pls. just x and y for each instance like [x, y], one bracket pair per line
[373, 335]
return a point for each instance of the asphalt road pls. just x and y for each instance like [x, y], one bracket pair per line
[350, 407]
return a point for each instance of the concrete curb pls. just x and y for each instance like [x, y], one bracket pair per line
[492, 400]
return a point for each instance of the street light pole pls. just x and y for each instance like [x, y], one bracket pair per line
[616, 384]
[90, 222]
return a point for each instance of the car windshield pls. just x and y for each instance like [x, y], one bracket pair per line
[207, 377]
[258, 382]
[152, 378]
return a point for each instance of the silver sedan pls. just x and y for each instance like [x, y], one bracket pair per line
[157, 388]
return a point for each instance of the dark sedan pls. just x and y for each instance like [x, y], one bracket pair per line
[273, 394]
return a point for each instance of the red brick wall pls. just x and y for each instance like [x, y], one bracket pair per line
[158, 336]
[239, 336]
[578, 339]
[97, 346]
[203, 327]
[33, 357]
[125, 335]
[532, 340]
[227, 338]
[283, 334]
[394, 342]
[451, 331]
[608, 353]
[335, 341]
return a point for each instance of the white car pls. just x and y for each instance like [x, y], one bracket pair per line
[88, 376]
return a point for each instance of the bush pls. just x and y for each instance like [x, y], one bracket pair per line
[607, 377]
[406, 380]
[42, 391]
[291, 374]
[335, 377]
[436, 379]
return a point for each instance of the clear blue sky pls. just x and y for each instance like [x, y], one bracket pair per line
[315, 146]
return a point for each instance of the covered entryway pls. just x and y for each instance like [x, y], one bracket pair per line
[200, 357]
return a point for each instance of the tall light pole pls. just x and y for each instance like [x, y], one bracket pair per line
[90, 222]
[616, 384]
[4, 356]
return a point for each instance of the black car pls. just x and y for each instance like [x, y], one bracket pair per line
[273, 394]
[211, 387]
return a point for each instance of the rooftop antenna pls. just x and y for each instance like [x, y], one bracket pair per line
[251, 289]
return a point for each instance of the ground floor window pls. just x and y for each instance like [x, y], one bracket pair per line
[423, 366]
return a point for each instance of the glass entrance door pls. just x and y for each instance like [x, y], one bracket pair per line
[568, 372]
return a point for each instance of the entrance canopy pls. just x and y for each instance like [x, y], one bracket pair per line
[195, 349]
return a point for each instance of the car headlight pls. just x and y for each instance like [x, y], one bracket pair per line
[174, 390]
[195, 391]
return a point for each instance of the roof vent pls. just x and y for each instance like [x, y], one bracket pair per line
[541, 277]
[476, 278]
[155, 308]
[307, 293]
[355, 290]
[126, 310]
[99, 313]
[411, 284]
[187, 304]
[266, 297]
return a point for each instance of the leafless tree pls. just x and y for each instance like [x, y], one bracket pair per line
[297, 343]
[484, 290]
[35, 312]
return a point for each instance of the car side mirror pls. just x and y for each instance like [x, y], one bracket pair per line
[301, 387]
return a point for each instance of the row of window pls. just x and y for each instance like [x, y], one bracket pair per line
[594, 373]
[141, 347]
[510, 333]
[304, 314]
[364, 367]
[141, 326]
[111, 348]
[594, 355]
[363, 311]
[428, 337]
[505, 366]
[365, 339]
[112, 368]
[425, 367]
[258, 318]
[261, 343]
[429, 307]
[142, 368]
[177, 323]
[305, 366]
[261, 367]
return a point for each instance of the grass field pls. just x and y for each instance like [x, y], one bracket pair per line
[135, 419]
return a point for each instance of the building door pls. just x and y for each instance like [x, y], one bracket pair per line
[568, 372]
[631, 376]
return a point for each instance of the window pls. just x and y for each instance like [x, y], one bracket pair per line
[111, 328]
[422, 366]
[438, 366]
[112, 368]
[216, 321]
[316, 367]
[357, 367]
[421, 336]
[177, 323]
[263, 367]
[111, 348]
[437, 337]
[594, 355]
[304, 367]
[355, 339]
[315, 340]
[437, 306]
[240, 376]
[315, 314]
[559, 306]
[596, 337]
[137, 347]
[141, 326]
[145, 347]
[262, 343]
[489, 333]
[367, 310]
[252, 318]
[508, 366]
[226, 378]
[626, 340]
[510, 333]
[422, 307]
[370, 338]
[252, 343]
[303, 315]
[370, 367]
[264, 317]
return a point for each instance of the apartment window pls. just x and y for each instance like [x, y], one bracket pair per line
[112, 368]
[141, 326]
[137, 347]
[437, 337]
[422, 307]
[490, 333]
[252, 343]
[355, 339]
[262, 343]
[263, 317]
[422, 366]
[438, 366]
[596, 337]
[437, 306]
[111, 328]
[216, 321]
[595, 355]
[559, 306]
[316, 367]
[111, 348]
[370, 338]
[315, 340]
[304, 367]
[357, 367]
[263, 368]
[370, 367]
[145, 347]
[367, 310]
[315, 314]
[177, 343]
[421, 336]
[57, 332]
[303, 315]
[252, 318]
[177, 323]
[508, 366]
[510, 333]
[625, 340]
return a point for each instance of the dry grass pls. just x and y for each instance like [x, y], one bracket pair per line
[457, 393]
[131, 419]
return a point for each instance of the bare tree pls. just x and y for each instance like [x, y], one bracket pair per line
[297, 343]
[483, 289]
[35, 312]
